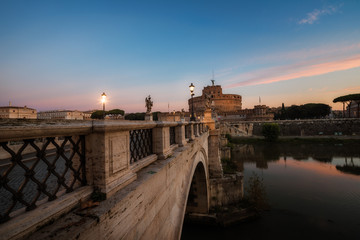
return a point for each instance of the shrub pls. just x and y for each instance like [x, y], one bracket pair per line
[270, 131]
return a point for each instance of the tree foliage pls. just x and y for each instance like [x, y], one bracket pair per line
[140, 116]
[135, 116]
[97, 114]
[100, 114]
[270, 131]
[155, 116]
[306, 111]
[116, 112]
[346, 98]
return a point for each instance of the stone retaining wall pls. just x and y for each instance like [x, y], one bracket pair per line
[315, 127]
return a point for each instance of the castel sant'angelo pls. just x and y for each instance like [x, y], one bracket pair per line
[220, 102]
[227, 106]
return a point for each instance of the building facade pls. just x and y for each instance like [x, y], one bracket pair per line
[18, 112]
[220, 103]
[61, 114]
[171, 117]
[258, 113]
[353, 109]
[228, 107]
[87, 114]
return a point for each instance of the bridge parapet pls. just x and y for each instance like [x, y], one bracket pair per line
[104, 154]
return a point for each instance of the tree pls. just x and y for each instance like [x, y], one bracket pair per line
[347, 99]
[155, 116]
[270, 131]
[135, 116]
[98, 114]
[293, 112]
[306, 111]
[116, 112]
[283, 112]
[315, 110]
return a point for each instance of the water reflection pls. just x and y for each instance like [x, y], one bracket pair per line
[346, 155]
[349, 167]
[313, 189]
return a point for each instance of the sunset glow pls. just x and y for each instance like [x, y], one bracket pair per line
[299, 71]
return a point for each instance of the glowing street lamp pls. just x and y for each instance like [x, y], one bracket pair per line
[192, 87]
[103, 100]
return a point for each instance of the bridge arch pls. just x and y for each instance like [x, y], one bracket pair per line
[197, 199]
[198, 188]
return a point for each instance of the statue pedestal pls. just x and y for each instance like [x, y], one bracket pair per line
[208, 120]
[148, 117]
[207, 114]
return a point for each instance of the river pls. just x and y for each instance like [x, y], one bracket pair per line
[313, 190]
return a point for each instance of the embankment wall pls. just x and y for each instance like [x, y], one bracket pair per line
[314, 127]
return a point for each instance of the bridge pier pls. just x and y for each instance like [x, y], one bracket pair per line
[215, 167]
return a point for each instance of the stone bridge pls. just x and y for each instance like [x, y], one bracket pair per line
[126, 180]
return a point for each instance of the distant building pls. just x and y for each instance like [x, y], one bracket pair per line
[336, 114]
[221, 103]
[171, 117]
[62, 114]
[354, 110]
[17, 112]
[258, 113]
[87, 114]
[113, 117]
[228, 106]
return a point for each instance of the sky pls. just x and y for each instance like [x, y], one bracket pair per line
[64, 54]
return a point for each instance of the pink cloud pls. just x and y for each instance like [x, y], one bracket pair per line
[299, 70]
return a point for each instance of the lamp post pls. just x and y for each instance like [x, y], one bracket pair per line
[103, 100]
[192, 87]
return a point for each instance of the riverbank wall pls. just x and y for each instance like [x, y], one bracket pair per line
[313, 127]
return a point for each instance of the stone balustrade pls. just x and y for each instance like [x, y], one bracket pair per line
[110, 154]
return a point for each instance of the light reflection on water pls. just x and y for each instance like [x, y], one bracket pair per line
[313, 189]
[307, 181]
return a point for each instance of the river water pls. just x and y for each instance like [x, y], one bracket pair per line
[313, 190]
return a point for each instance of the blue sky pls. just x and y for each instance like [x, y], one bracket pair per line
[64, 54]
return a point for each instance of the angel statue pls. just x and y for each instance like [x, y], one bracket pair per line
[207, 101]
[148, 104]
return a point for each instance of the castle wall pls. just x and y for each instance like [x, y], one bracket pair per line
[221, 102]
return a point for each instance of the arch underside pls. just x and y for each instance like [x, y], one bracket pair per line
[197, 201]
